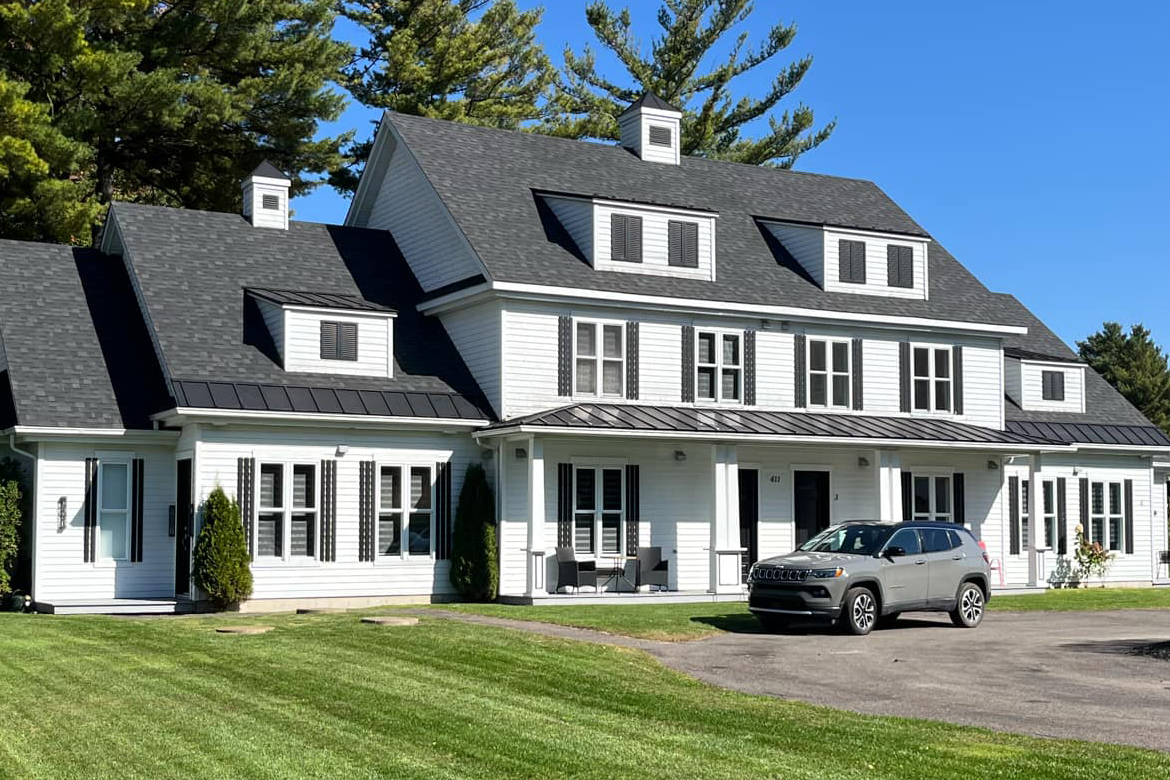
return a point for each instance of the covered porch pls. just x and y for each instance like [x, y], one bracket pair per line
[716, 490]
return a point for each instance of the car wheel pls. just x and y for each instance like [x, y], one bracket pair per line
[773, 623]
[968, 611]
[859, 612]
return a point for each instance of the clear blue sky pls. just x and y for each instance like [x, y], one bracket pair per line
[1031, 139]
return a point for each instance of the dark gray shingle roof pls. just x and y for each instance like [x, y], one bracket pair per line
[78, 352]
[650, 100]
[268, 170]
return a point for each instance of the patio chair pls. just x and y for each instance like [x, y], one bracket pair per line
[652, 570]
[574, 573]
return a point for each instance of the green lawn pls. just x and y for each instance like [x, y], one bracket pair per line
[325, 696]
[693, 621]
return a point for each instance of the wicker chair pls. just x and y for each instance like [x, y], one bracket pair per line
[574, 573]
[652, 570]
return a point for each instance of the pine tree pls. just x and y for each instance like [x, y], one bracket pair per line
[174, 102]
[473, 61]
[1133, 364]
[587, 103]
[221, 552]
[474, 565]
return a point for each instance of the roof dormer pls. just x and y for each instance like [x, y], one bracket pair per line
[1044, 383]
[651, 128]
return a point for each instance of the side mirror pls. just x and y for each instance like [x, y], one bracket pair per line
[895, 552]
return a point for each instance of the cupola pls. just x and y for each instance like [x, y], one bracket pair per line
[266, 197]
[650, 129]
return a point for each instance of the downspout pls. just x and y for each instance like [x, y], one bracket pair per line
[12, 446]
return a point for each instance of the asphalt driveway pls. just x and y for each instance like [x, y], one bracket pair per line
[1054, 674]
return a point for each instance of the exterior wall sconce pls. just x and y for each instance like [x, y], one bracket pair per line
[62, 513]
[680, 456]
[342, 449]
[862, 462]
[521, 453]
[992, 465]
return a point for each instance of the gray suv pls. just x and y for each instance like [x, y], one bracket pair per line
[858, 573]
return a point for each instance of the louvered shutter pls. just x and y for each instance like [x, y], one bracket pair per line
[328, 510]
[328, 340]
[634, 239]
[1084, 490]
[1129, 517]
[688, 364]
[633, 509]
[851, 261]
[1014, 515]
[347, 346]
[691, 245]
[245, 497]
[366, 509]
[617, 237]
[858, 378]
[443, 528]
[1062, 516]
[137, 495]
[899, 266]
[674, 242]
[959, 487]
[565, 356]
[749, 367]
[857, 261]
[564, 505]
[904, 376]
[89, 512]
[957, 377]
[799, 377]
[907, 496]
[632, 360]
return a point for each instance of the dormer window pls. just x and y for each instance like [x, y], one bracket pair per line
[660, 135]
[683, 241]
[1052, 385]
[339, 340]
[625, 238]
[851, 261]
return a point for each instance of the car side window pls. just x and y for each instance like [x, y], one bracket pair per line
[907, 539]
[956, 539]
[938, 539]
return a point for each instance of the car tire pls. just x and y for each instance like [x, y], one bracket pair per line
[772, 623]
[859, 612]
[969, 606]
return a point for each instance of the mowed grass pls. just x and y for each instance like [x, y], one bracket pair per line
[694, 621]
[325, 696]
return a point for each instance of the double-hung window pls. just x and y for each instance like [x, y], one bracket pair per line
[404, 510]
[828, 374]
[932, 381]
[932, 498]
[286, 511]
[598, 510]
[1106, 514]
[114, 509]
[1048, 511]
[600, 359]
[719, 366]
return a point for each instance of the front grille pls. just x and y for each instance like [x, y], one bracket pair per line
[790, 603]
[779, 574]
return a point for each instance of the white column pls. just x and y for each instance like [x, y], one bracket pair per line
[725, 545]
[1036, 560]
[536, 519]
[889, 479]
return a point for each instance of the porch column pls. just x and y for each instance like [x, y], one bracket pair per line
[536, 518]
[725, 544]
[1036, 573]
[889, 482]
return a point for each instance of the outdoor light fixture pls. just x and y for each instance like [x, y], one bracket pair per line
[862, 462]
[680, 456]
[62, 512]
[342, 449]
[521, 453]
[992, 465]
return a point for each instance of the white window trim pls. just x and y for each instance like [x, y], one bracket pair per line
[829, 372]
[599, 466]
[1106, 515]
[933, 379]
[599, 359]
[403, 510]
[119, 459]
[286, 558]
[718, 400]
[933, 515]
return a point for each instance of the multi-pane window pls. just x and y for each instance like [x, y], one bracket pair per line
[828, 373]
[932, 498]
[599, 359]
[1052, 385]
[1106, 514]
[682, 243]
[114, 510]
[931, 379]
[598, 510]
[1048, 510]
[339, 340]
[410, 520]
[286, 509]
[719, 367]
[625, 238]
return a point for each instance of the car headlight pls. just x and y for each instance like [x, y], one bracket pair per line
[828, 574]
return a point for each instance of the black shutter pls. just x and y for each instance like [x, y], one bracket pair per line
[442, 511]
[89, 512]
[858, 381]
[957, 377]
[959, 486]
[328, 511]
[688, 364]
[691, 245]
[366, 510]
[899, 266]
[245, 496]
[1014, 515]
[136, 501]
[632, 360]
[1084, 488]
[634, 239]
[1062, 516]
[800, 389]
[565, 356]
[893, 278]
[564, 505]
[328, 340]
[674, 243]
[904, 376]
[1129, 517]
[749, 367]
[633, 509]
[907, 496]
[347, 347]
[617, 237]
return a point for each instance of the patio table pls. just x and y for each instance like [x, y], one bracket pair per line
[618, 572]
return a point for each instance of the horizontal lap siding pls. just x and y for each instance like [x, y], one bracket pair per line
[530, 360]
[303, 343]
[875, 266]
[576, 216]
[1032, 390]
[655, 243]
[274, 319]
[1012, 381]
[806, 245]
[659, 369]
[774, 370]
[477, 332]
[60, 570]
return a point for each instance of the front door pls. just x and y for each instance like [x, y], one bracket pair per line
[183, 527]
[810, 503]
[749, 517]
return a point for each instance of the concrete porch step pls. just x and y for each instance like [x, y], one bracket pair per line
[157, 606]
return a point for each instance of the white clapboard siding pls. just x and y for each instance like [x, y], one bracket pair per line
[635, 134]
[805, 244]
[576, 217]
[1032, 387]
[876, 268]
[1011, 381]
[659, 362]
[61, 572]
[655, 241]
[302, 344]
[775, 370]
[530, 359]
[273, 315]
[408, 206]
[477, 332]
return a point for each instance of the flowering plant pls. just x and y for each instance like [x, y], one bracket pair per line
[1092, 558]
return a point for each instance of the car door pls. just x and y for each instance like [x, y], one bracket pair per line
[944, 563]
[905, 578]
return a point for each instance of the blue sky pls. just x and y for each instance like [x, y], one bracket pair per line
[1032, 139]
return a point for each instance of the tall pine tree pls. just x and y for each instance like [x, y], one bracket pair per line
[175, 102]
[473, 61]
[587, 103]
[1133, 364]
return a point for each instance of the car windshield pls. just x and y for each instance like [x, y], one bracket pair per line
[852, 539]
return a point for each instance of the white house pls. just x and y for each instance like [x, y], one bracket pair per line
[642, 348]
